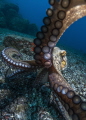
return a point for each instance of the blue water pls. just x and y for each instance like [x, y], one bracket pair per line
[75, 35]
[35, 10]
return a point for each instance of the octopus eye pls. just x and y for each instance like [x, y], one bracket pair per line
[63, 53]
[63, 64]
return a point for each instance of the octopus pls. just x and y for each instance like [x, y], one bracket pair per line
[50, 59]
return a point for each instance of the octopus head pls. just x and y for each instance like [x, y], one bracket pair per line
[59, 59]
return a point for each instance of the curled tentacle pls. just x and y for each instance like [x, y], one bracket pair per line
[10, 73]
[60, 17]
[9, 55]
[72, 102]
[13, 72]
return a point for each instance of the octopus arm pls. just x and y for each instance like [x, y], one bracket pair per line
[72, 102]
[41, 78]
[58, 105]
[10, 73]
[33, 63]
[62, 14]
[73, 15]
[10, 56]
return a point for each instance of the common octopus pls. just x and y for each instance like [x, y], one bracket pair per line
[50, 58]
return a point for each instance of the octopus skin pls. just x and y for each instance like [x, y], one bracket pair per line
[62, 14]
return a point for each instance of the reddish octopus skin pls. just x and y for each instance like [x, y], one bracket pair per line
[70, 100]
[62, 14]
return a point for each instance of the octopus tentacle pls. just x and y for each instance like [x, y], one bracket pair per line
[62, 14]
[71, 101]
[9, 75]
[8, 54]
[58, 105]
[41, 78]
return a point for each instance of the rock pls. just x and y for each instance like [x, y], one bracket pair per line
[18, 24]
[10, 18]
[2, 14]
[20, 43]
[2, 4]
[10, 13]
[32, 29]
[3, 22]
[8, 6]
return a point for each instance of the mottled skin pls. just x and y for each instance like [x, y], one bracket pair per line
[62, 14]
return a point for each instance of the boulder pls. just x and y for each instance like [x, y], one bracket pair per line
[2, 19]
[22, 44]
[2, 4]
[32, 29]
[8, 6]
[10, 13]
[19, 24]
[10, 18]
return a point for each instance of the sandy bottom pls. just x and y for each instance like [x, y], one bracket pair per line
[29, 102]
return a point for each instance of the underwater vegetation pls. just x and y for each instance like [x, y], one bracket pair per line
[47, 64]
[11, 19]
